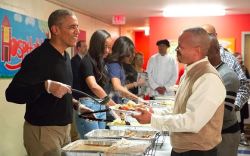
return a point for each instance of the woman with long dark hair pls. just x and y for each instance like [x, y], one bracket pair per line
[95, 80]
[122, 51]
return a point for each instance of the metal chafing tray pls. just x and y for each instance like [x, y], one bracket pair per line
[134, 125]
[118, 134]
[140, 135]
[105, 134]
[87, 147]
[103, 148]
[162, 103]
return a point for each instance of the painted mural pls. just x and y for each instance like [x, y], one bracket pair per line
[19, 35]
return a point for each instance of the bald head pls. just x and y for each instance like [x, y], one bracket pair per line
[214, 51]
[193, 45]
[210, 29]
[199, 37]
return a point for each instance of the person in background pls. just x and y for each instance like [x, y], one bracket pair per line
[244, 112]
[122, 51]
[94, 80]
[230, 128]
[195, 123]
[43, 83]
[81, 49]
[138, 62]
[141, 74]
[244, 90]
[161, 79]
[132, 81]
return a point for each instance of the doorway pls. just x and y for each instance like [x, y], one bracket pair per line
[245, 46]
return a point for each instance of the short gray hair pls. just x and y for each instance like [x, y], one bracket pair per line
[201, 37]
[56, 17]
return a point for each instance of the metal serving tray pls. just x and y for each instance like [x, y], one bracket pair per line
[105, 134]
[134, 125]
[131, 127]
[162, 103]
[118, 134]
[95, 148]
[140, 135]
[92, 147]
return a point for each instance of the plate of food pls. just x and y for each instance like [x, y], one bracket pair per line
[128, 107]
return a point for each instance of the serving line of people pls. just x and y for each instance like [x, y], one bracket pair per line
[45, 86]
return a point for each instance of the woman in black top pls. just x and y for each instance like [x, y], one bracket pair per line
[94, 79]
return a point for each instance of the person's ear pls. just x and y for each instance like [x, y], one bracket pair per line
[54, 29]
[198, 49]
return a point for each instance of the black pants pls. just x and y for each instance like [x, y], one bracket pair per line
[212, 152]
[151, 98]
[244, 114]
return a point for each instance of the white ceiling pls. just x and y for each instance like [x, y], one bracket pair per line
[138, 11]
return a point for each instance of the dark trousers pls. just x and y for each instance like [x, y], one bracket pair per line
[244, 114]
[212, 152]
[151, 98]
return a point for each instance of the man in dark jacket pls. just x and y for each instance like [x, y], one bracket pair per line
[81, 48]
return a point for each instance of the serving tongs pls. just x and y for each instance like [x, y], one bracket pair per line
[99, 111]
[103, 101]
[95, 119]
[85, 116]
[101, 120]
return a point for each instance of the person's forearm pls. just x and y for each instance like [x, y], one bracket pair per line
[98, 91]
[22, 93]
[131, 85]
[125, 93]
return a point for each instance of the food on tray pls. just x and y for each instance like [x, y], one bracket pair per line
[118, 134]
[84, 147]
[118, 122]
[89, 145]
[130, 134]
[146, 136]
[99, 142]
[137, 134]
[167, 102]
[130, 105]
[128, 147]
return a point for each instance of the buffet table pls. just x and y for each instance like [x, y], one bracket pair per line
[79, 148]
[124, 140]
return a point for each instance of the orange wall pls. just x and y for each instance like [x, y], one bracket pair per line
[142, 45]
[230, 26]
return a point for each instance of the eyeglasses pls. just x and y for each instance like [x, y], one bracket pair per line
[179, 48]
[212, 34]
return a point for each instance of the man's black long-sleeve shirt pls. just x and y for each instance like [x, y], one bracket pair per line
[27, 86]
[75, 64]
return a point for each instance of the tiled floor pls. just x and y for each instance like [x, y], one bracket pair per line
[166, 149]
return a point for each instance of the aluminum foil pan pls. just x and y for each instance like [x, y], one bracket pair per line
[105, 134]
[118, 134]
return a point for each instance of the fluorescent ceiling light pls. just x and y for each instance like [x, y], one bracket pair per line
[146, 31]
[194, 10]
